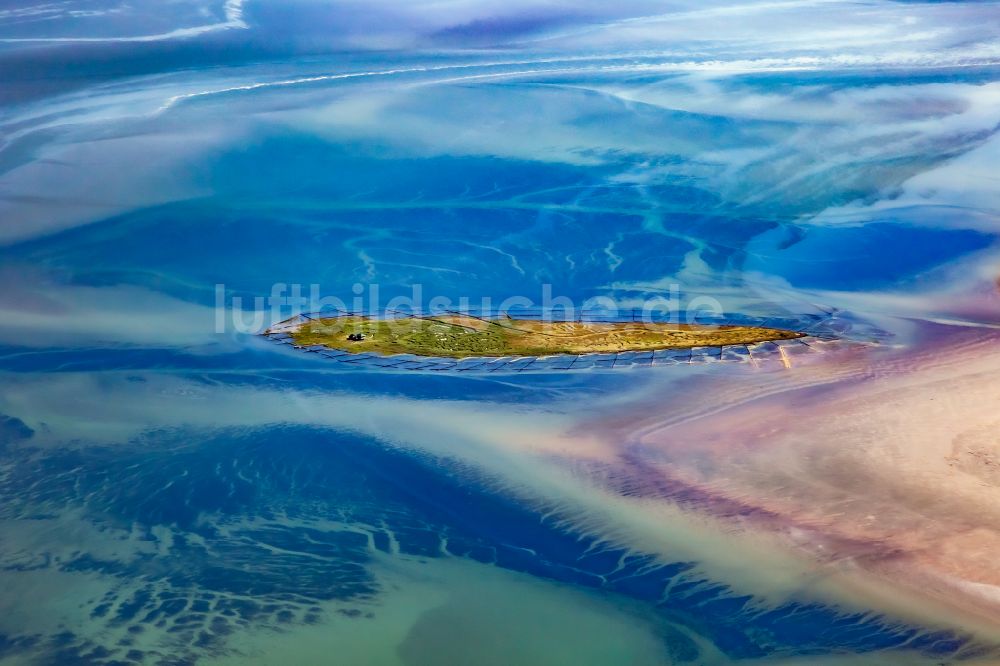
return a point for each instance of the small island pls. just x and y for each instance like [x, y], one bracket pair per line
[462, 335]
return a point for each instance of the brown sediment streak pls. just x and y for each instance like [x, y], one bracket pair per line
[891, 462]
[634, 476]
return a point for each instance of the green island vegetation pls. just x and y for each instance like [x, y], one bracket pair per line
[464, 336]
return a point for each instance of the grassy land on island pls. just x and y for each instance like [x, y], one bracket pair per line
[464, 336]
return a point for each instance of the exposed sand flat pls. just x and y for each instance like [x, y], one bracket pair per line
[890, 468]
